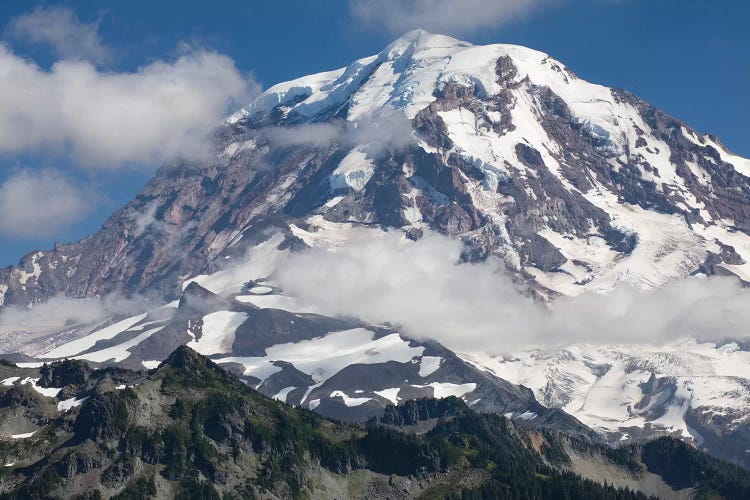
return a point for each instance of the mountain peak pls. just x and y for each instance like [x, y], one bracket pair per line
[189, 368]
[404, 76]
[421, 40]
[184, 357]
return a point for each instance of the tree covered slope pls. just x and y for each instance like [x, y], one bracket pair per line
[189, 429]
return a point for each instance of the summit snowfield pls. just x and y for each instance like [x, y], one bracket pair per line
[573, 187]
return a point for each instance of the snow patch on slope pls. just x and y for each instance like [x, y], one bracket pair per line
[119, 352]
[446, 389]
[87, 342]
[354, 171]
[218, 332]
[325, 356]
[283, 393]
[349, 401]
[429, 365]
[71, 403]
[49, 392]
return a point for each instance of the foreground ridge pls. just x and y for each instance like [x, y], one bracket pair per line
[189, 429]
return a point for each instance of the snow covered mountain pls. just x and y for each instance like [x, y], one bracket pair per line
[575, 186]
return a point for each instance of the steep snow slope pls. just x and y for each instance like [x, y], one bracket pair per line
[698, 391]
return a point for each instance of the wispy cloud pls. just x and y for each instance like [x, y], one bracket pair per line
[422, 287]
[62, 30]
[386, 129]
[170, 237]
[41, 203]
[61, 311]
[443, 16]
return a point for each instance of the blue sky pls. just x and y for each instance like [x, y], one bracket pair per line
[689, 57]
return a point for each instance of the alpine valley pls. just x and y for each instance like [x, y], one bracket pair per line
[573, 187]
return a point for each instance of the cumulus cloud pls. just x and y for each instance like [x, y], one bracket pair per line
[62, 30]
[442, 16]
[162, 111]
[41, 203]
[386, 129]
[475, 306]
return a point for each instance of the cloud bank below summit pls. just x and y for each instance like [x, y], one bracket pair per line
[60, 311]
[470, 307]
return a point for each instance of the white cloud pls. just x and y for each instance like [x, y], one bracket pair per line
[41, 204]
[387, 128]
[442, 16]
[63, 31]
[104, 119]
[306, 134]
[476, 306]
[707, 309]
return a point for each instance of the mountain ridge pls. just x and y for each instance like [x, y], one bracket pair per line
[188, 428]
